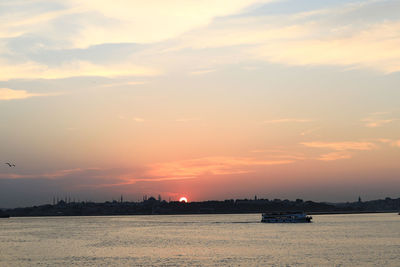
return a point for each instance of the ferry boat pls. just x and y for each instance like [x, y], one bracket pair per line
[285, 217]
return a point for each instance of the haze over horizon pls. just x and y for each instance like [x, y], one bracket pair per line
[204, 99]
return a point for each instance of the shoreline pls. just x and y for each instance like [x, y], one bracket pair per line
[152, 206]
[186, 214]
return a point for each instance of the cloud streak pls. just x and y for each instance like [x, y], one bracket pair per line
[210, 165]
[202, 72]
[334, 156]
[51, 175]
[377, 119]
[341, 146]
[396, 143]
[285, 120]
[33, 70]
[10, 94]
[374, 47]
[137, 119]
[340, 150]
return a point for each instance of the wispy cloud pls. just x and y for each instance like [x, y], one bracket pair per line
[10, 94]
[387, 141]
[210, 165]
[118, 84]
[309, 38]
[384, 140]
[33, 70]
[141, 22]
[374, 47]
[341, 146]
[49, 175]
[165, 171]
[99, 21]
[377, 119]
[334, 156]
[340, 150]
[187, 119]
[19, 21]
[284, 120]
[137, 119]
[334, 36]
[309, 131]
[201, 72]
[396, 143]
[281, 154]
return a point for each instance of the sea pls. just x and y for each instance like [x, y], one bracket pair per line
[200, 240]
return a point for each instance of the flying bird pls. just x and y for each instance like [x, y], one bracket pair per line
[10, 165]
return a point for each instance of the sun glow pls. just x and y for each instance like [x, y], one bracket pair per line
[183, 199]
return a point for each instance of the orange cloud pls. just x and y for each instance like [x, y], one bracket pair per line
[379, 123]
[341, 149]
[287, 120]
[334, 156]
[377, 119]
[341, 146]
[396, 143]
[137, 119]
[280, 154]
[210, 165]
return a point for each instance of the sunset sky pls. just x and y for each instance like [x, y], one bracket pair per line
[208, 99]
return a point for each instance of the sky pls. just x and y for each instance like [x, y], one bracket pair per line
[198, 98]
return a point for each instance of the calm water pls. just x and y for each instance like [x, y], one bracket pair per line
[234, 240]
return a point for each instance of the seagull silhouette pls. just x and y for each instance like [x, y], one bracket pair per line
[10, 165]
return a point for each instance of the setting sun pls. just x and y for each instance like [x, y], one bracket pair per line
[183, 199]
